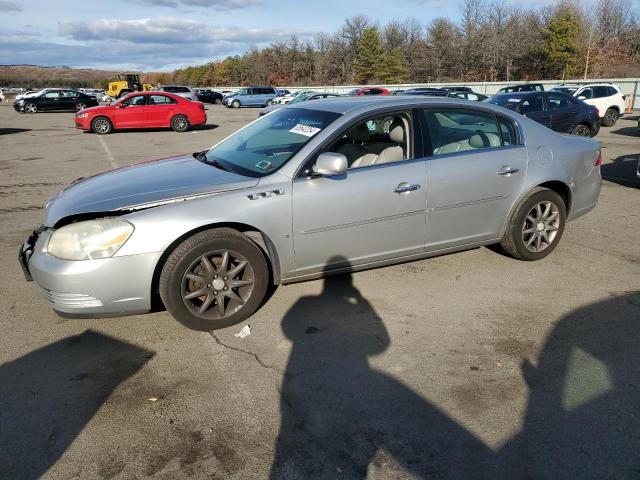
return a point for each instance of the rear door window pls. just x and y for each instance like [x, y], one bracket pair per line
[533, 103]
[600, 92]
[462, 130]
[160, 100]
[558, 101]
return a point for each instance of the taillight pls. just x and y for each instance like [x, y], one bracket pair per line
[599, 159]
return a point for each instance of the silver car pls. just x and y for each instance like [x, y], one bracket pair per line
[309, 190]
[180, 90]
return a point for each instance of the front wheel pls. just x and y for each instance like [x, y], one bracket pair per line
[536, 225]
[610, 117]
[235, 104]
[214, 279]
[31, 108]
[180, 123]
[101, 126]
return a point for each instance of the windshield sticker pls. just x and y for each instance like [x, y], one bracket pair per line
[264, 165]
[306, 130]
[513, 100]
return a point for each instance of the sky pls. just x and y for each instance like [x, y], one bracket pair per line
[161, 35]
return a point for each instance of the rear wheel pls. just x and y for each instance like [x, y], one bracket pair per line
[217, 101]
[80, 106]
[235, 104]
[582, 130]
[101, 125]
[610, 117]
[30, 108]
[180, 123]
[214, 279]
[536, 225]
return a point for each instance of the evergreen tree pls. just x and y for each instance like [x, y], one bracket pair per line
[369, 56]
[559, 52]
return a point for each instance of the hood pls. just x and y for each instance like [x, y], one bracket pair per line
[143, 184]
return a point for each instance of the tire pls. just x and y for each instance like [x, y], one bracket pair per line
[80, 106]
[235, 104]
[101, 126]
[610, 117]
[217, 101]
[180, 123]
[30, 108]
[185, 265]
[521, 237]
[582, 130]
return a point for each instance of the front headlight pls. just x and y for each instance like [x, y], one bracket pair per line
[90, 240]
[81, 115]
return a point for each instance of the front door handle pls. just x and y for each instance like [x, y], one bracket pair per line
[406, 187]
[507, 171]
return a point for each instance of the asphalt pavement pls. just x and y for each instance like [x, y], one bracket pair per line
[471, 365]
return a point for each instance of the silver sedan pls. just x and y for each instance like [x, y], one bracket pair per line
[321, 188]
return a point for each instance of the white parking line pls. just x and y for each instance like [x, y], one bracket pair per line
[108, 153]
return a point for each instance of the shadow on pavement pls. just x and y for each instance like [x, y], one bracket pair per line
[9, 131]
[623, 170]
[49, 395]
[340, 415]
[338, 412]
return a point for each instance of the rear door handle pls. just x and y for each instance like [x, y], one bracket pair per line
[406, 187]
[507, 171]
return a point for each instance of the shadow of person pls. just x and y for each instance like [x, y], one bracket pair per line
[50, 394]
[340, 415]
[623, 170]
[583, 414]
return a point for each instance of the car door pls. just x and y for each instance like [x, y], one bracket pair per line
[371, 213]
[586, 95]
[475, 168]
[69, 100]
[159, 110]
[534, 106]
[132, 113]
[49, 100]
[563, 112]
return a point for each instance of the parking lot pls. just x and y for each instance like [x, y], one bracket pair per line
[485, 366]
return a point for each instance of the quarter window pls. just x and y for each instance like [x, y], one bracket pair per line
[453, 130]
[160, 100]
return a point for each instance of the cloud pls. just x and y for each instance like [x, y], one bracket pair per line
[142, 44]
[6, 6]
[219, 4]
[171, 31]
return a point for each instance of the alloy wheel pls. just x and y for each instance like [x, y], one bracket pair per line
[101, 125]
[180, 123]
[217, 284]
[610, 116]
[582, 131]
[30, 108]
[541, 226]
[80, 106]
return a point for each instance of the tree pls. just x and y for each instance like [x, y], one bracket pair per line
[369, 56]
[559, 51]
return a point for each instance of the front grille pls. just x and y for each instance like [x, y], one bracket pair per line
[71, 300]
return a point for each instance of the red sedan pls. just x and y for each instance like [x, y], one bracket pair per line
[369, 91]
[143, 110]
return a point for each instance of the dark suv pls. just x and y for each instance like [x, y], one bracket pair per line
[557, 110]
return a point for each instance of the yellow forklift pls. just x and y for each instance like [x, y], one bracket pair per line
[127, 83]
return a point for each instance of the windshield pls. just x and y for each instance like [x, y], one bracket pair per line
[563, 89]
[506, 101]
[267, 144]
[300, 98]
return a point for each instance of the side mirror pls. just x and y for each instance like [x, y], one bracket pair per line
[331, 163]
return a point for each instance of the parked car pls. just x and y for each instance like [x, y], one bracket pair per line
[369, 91]
[2, 97]
[556, 110]
[287, 98]
[299, 99]
[524, 87]
[206, 95]
[71, 100]
[471, 95]
[250, 97]
[143, 110]
[181, 90]
[33, 93]
[279, 201]
[606, 97]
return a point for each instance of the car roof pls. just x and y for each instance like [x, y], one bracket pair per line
[364, 103]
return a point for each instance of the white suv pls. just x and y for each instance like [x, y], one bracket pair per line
[606, 97]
